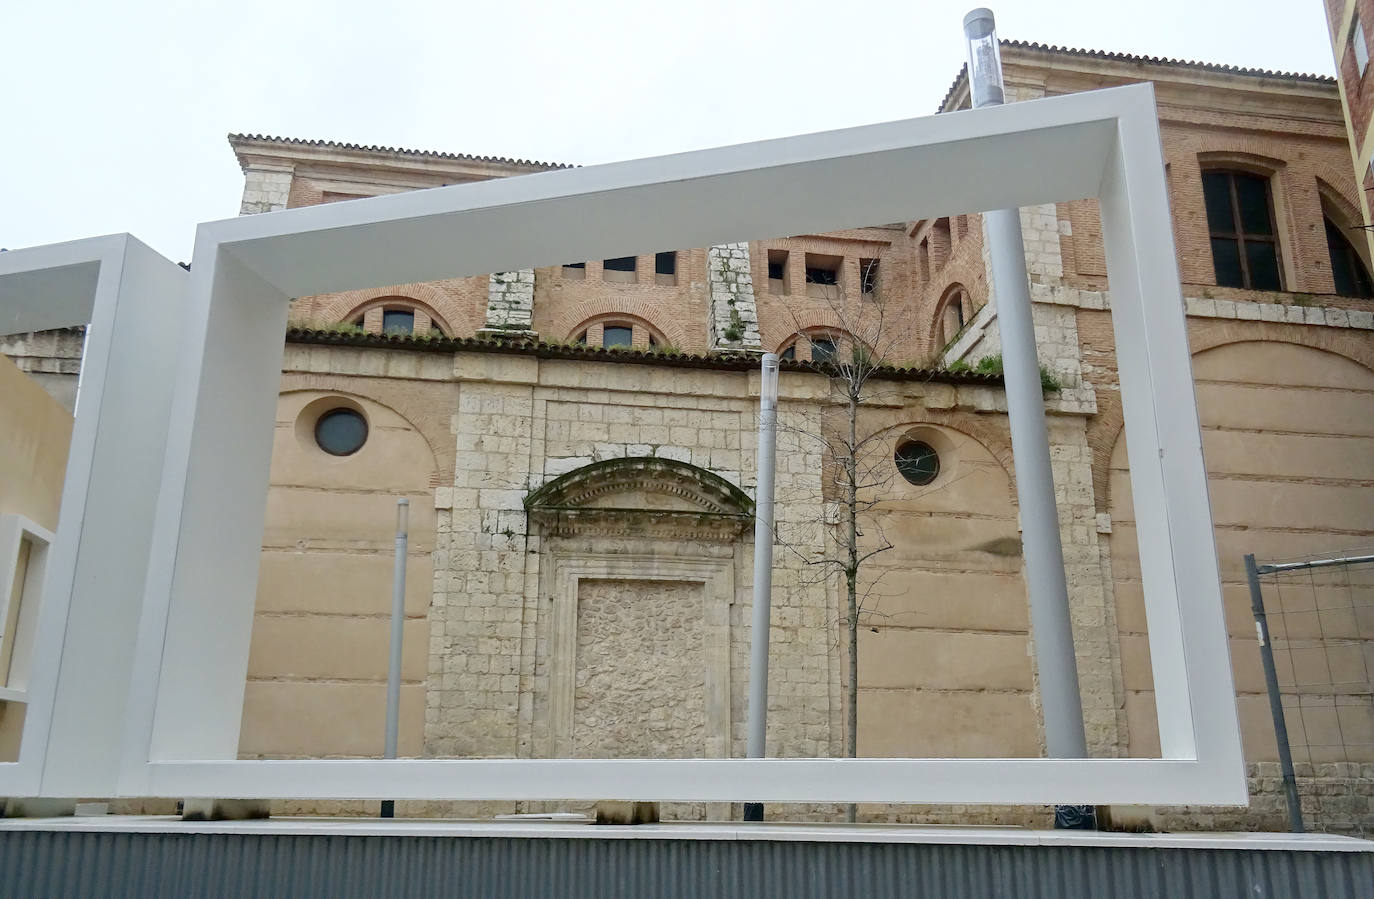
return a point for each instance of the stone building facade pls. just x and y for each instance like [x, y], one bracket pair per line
[578, 445]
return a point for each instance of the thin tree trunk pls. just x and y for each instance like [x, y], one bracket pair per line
[851, 578]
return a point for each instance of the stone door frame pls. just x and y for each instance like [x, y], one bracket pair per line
[716, 575]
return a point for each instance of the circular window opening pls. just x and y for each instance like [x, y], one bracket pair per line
[918, 462]
[341, 432]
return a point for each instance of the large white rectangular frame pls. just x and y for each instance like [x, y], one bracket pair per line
[80, 657]
[192, 649]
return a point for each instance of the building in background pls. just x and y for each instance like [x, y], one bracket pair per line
[577, 443]
[1349, 21]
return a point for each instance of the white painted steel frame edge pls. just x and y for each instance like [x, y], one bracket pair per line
[93, 579]
[190, 659]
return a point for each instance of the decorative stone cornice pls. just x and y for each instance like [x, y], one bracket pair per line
[707, 507]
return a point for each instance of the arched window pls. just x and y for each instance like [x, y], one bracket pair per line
[618, 332]
[1240, 220]
[397, 315]
[952, 314]
[1347, 268]
[820, 345]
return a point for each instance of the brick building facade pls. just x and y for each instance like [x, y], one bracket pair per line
[578, 446]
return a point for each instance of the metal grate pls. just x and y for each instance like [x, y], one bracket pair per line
[1315, 623]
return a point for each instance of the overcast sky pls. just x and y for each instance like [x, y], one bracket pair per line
[115, 113]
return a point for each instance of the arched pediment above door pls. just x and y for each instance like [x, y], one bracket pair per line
[641, 496]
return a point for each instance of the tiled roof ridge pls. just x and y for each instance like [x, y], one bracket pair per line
[731, 361]
[1116, 56]
[375, 148]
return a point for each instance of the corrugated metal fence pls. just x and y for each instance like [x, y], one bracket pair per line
[148, 865]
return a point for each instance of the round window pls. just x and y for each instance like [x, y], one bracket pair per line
[918, 462]
[341, 432]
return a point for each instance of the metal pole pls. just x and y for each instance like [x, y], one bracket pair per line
[398, 620]
[1044, 554]
[763, 568]
[1271, 680]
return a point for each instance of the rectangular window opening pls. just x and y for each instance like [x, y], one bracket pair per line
[620, 270]
[398, 321]
[823, 276]
[574, 271]
[617, 336]
[777, 272]
[1240, 219]
[665, 269]
[868, 276]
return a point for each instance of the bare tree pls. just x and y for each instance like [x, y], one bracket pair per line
[867, 339]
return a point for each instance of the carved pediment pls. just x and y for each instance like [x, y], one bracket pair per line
[642, 495]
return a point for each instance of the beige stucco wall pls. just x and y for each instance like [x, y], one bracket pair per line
[35, 432]
[318, 661]
[1288, 434]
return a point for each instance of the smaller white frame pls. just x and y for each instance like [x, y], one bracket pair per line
[15, 530]
[77, 686]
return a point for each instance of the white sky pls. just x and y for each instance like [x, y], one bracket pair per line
[115, 113]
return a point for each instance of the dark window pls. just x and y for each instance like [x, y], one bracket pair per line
[868, 275]
[620, 264]
[581, 265]
[1347, 268]
[617, 335]
[341, 432]
[575, 271]
[398, 321]
[582, 338]
[822, 349]
[665, 264]
[822, 276]
[790, 354]
[777, 272]
[1244, 248]
[918, 462]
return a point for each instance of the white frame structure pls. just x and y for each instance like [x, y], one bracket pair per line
[190, 658]
[80, 644]
[15, 531]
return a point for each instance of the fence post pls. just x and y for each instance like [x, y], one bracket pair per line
[1271, 680]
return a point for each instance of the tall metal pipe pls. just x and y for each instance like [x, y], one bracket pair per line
[763, 568]
[1043, 552]
[398, 619]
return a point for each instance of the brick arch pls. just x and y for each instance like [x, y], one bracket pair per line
[427, 405]
[1240, 160]
[393, 300]
[1348, 216]
[1345, 204]
[952, 290]
[568, 320]
[778, 334]
[614, 317]
[339, 307]
[1107, 428]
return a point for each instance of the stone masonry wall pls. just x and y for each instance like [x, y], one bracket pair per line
[510, 303]
[734, 320]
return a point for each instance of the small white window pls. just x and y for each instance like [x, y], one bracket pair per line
[1360, 46]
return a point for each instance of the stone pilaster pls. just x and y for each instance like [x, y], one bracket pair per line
[510, 305]
[266, 187]
[734, 315]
